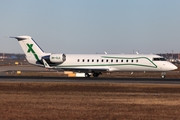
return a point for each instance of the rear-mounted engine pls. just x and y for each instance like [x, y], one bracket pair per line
[55, 58]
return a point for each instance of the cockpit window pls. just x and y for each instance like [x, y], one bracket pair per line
[159, 59]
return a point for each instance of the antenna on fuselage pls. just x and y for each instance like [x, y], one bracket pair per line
[137, 53]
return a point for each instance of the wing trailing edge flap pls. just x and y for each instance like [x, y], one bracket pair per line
[85, 70]
[46, 65]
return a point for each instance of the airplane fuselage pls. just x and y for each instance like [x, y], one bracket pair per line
[92, 63]
[116, 62]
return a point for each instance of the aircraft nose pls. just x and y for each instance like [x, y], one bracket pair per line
[174, 67]
[171, 66]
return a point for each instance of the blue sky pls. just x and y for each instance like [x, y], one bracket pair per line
[92, 26]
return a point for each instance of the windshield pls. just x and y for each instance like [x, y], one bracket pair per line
[159, 59]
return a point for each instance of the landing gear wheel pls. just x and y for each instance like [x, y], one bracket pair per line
[95, 74]
[87, 75]
[163, 75]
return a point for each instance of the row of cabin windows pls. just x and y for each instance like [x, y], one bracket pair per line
[102, 60]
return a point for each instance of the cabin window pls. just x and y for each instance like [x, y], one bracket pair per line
[97, 60]
[78, 60]
[121, 60]
[83, 60]
[107, 60]
[116, 60]
[132, 61]
[92, 60]
[88, 60]
[111, 60]
[102, 60]
[136, 60]
[126, 60]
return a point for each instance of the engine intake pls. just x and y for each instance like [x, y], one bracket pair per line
[55, 58]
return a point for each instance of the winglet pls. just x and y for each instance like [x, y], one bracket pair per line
[20, 37]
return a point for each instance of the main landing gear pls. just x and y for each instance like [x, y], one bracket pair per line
[87, 75]
[95, 74]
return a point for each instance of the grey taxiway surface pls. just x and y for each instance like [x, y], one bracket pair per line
[21, 67]
[96, 80]
[66, 79]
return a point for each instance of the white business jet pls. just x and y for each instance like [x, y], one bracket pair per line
[93, 64]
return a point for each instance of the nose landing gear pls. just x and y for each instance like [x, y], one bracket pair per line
[163, 75]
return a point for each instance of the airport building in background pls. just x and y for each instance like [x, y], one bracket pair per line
[172, 57]
[12, 59]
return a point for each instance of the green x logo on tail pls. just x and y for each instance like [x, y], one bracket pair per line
[31, 50]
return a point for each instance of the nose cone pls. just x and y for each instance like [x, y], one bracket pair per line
[169, 66]
[173, 67]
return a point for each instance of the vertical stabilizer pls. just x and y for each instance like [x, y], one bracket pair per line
[31, 49]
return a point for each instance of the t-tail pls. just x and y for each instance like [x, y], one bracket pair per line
[32, 50]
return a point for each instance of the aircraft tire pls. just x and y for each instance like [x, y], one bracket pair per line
[87, 75]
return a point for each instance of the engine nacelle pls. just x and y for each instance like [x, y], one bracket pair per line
[57, 58]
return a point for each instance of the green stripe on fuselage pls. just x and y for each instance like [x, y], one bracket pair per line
[131, 59]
